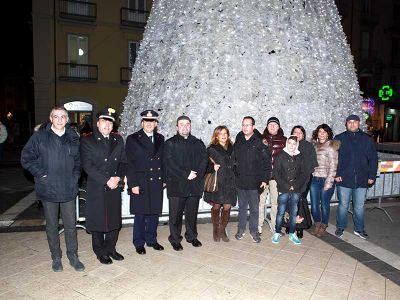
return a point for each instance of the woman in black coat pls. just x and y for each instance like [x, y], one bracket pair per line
[221, 160]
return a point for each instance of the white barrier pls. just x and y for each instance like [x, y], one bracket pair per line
[387, 185]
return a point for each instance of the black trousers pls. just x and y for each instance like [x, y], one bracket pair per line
[104, 243]
[178, 205]
[51, 211]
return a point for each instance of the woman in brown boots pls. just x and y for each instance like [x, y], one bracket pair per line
[220, 152]
[322, 182]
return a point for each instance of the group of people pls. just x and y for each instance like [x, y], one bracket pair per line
[247, 170]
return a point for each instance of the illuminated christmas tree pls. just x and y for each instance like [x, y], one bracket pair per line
[220, 60]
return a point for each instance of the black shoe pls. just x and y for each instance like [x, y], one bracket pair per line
[76, 264]
[104, 259]
[57, 265]
[339, 232]
[116, 256]
[177, 247]
[287, 230]
[196, 243]
[299, 233]
[140, 250]
[157, 246]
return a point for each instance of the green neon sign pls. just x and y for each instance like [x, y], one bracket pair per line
[385, 93]
[389, 117]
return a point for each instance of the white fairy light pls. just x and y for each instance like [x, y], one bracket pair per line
[220, 60]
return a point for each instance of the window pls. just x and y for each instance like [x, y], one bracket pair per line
[77, 49]
[78, 8]
[137, 4]
[366, 7]
[365, 41]
[136, 11]
[77, 55]
[132, 53]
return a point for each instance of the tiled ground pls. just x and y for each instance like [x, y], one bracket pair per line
[234, 270]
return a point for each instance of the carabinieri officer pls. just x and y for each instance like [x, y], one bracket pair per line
[144, 151]
[103, 159]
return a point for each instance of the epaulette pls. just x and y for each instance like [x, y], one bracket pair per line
[87, 134]
[116, 133]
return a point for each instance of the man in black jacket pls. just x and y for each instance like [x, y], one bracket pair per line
[52, 157]
[253, 170]
[185, 159]
[104, 161]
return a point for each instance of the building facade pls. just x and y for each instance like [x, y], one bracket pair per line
[83, 54]
[372, 28]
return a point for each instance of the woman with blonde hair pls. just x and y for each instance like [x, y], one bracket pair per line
[221, 160]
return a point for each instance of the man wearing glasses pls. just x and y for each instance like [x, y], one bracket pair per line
[52, 156]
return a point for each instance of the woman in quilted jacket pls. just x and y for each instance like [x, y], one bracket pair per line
[322, 182]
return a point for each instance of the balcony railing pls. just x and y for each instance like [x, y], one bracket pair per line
[78, 10]
[77, 72]
[126, 75]
[134, 17]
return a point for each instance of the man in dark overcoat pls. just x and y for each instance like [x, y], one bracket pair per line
[144, 151]
[185, 158]
[103, 159]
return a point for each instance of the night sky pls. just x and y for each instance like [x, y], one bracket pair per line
[16, 39]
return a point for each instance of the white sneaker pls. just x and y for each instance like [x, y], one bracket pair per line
[276, 238]
[293, 237]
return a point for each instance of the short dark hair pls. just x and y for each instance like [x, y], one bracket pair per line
[299, 127]
[326, 128]
[253, 122]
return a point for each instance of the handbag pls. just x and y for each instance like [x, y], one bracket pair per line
[210, 183]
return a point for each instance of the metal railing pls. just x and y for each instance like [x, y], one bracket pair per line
[125, 75]
[77, 72]
[134, 17]
[78, 10]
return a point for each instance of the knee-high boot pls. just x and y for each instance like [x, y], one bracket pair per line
[225, 215]
[215, 221]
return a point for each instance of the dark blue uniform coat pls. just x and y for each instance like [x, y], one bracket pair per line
[145, 160]
[102, 161]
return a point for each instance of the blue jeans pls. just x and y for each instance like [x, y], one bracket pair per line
[358, 196]
[320, 200]
[283, 200]
[251, 199]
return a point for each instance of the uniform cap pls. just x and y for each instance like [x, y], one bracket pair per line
[107, 113]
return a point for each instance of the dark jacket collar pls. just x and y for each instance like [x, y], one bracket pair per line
[70, 134]
[219, 148]
[190, 138]
[145, 140]
[240, 138]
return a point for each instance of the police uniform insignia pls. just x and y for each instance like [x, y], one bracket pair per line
[111, 111]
